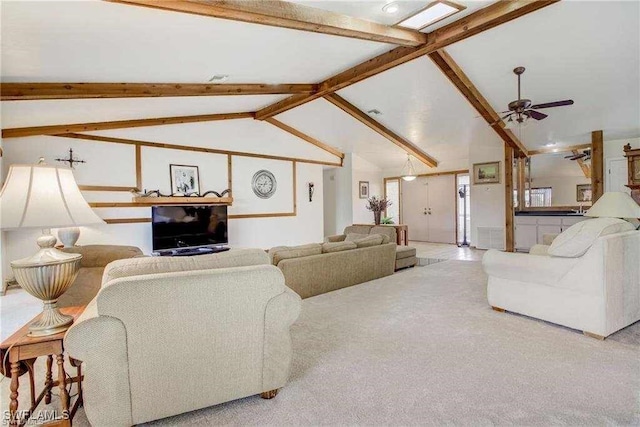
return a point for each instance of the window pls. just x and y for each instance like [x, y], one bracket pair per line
[535, 198]
[392, 192]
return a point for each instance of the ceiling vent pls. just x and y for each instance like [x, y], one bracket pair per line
[219, 78]
[374, 112]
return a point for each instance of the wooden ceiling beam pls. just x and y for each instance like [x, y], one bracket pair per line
[475, 23]
[119, 124]
[365, 119]
[548, 150]
[305, 137]
[586, 170]
[34, 91]
[289, 15]
[454, 73]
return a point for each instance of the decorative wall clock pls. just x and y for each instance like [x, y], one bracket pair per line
[264, 184]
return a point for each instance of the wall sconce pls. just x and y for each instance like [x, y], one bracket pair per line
[311, 190]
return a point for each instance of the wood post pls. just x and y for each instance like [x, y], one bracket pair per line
[597, 165]
[508, 198]
[522, 184]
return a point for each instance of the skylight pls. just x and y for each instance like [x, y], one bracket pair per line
[433, 13]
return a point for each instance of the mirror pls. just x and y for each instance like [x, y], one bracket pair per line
[561, 179]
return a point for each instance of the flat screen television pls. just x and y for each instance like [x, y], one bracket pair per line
[175, 227]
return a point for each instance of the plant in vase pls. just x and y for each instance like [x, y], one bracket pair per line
[377, 206]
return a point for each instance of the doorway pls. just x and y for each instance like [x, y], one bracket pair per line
[429, 208]
[464, 210]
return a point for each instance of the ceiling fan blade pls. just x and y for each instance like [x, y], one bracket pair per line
[553, 104]
[536, 114]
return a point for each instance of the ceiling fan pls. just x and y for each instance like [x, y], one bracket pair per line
[521, 110]
[585, 155]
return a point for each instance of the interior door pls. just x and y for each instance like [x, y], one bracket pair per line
[414, 208]
[617, 174]
[441, 208]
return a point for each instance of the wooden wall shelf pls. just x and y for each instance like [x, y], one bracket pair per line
[147, 201]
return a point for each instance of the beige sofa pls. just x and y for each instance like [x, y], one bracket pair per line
[318, 268]
[170, 335]
[405, 255]
[94, 259]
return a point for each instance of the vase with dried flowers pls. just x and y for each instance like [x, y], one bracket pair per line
[377, 205]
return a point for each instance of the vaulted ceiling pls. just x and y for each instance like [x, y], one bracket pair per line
[585, 51]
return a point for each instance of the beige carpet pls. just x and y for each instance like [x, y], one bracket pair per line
[422, 347]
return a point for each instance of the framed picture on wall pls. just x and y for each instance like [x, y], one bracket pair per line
[185, 180]
[363, 189]
[583, 193]
[486, 173]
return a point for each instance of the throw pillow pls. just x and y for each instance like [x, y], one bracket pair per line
[352, 237]
[371, 240]
[297, 252]
[576, 240]
[337, 247]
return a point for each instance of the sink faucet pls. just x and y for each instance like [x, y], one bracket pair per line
[580, 211]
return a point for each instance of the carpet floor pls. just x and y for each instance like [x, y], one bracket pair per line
[422, 347]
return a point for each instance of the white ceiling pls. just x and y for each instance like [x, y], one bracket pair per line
[372, 10]
[586, 51]
[95, 41]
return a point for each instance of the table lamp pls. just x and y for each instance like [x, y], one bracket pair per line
[45, 197]
[615, 204]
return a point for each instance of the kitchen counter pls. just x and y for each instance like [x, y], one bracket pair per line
[548, 213]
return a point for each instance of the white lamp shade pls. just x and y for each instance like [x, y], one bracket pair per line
[41, 196]
[615, 205]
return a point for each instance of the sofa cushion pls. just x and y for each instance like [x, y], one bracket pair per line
[297, 252]
[352, 237]
[337, 247]
[389, 233]
[576, 240]
[360, 229]
[164, 264]
[405, 252]
[371, 240]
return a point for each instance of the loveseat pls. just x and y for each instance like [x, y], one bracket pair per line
[171, 335]
[587, 279]
[317, 268]
[405, 255]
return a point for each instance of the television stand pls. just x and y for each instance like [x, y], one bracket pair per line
[191, 251]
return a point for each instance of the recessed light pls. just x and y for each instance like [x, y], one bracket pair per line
[219, 78]
[433, 13]
[374, 112]
[550, 144]
[391, 8]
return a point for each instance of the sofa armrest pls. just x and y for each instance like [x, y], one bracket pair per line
[527, 268]
[336, 238]
[101, 344]
[281, 312]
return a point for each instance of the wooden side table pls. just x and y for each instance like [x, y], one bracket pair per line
[23, 352]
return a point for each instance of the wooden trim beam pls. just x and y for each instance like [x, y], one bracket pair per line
[119, 124]
[305, 137]
[35, 91]
[548, 150]
[138, 167]
[455, 172]
[109, 139]
[126, 220]
[454, 73]
[290, 15]
[597, 165]
[367, 120]
[508, 199]
[484, 19]
[585, 167]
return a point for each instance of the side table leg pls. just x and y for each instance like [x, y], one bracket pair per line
[62, 382]
[48, 380]
[13, 406]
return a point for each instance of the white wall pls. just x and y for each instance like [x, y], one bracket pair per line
[487, 200]
[364, 170]
[339, 203]
[114, 165]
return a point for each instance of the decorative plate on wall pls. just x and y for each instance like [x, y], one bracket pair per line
[264, 184]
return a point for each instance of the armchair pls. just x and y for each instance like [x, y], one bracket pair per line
[597, 292]
[171, 335]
